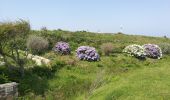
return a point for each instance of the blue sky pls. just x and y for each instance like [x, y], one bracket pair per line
[144, 17]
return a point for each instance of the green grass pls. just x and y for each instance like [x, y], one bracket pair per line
[145, 83]
[117, 77]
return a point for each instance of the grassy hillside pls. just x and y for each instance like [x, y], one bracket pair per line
[117, 76]
[149, 82]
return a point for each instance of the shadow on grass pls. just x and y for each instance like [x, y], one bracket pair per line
[35, 79]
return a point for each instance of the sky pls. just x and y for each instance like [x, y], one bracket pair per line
[143, 17]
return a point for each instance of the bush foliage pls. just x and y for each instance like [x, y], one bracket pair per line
[62, 48]
[153, 51]
[87, 53]
[107, 48]
[37, 44]
[165, 47]
[135, 50]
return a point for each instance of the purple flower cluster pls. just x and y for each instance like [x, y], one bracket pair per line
[152, 51]
[87, 53]
[62, 48]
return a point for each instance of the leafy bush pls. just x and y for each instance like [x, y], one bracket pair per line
[3, 79]
[37, 44]
[107, 48]
[135, 50]
[42, 71]
[87, 53]
[118, 49]
[153, 51]
[165, 47]
[12, 39]
[56, 65]
[62, 48]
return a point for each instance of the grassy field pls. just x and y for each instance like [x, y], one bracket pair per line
[114, 77]
[145, 83]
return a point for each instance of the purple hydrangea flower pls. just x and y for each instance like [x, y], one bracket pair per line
[153, 51]
[87, 53]
[62, 48]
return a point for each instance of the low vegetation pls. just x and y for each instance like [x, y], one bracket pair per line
[107, 48]
[165, 47]
[37, 44]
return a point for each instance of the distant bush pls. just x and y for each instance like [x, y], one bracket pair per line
[118, 49]
[87, 53]
[62, 48]
[44, 28]
[107, 48]
[37, 44]
[135, 50]
[153, 51]
[119, 33]
[165, 47]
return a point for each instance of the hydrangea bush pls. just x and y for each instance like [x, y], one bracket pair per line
[153, 51]
[87, 53]
[135, 50]
[62, 48]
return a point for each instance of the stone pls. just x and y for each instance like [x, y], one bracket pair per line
[8, 90]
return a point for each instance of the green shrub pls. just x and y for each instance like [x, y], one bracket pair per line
[56, 65]
[37, 44]
[107, 48]
[165, 48]
[3, 79]
[118, 49]
[42, 71]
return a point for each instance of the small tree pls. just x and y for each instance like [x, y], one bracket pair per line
[37, 44]
[12, 39]
[107, 48]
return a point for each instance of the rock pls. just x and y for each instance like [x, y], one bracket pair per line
[38, 59]
[8, 91]
[29, 56]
